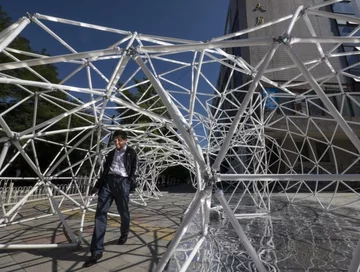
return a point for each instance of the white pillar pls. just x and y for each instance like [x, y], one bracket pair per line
[4, 152]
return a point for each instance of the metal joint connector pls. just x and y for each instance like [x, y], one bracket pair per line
[284, 39]
[131, 52]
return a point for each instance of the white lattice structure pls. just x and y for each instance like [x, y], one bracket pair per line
[198, 125]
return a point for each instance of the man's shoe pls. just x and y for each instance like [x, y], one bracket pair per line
[122, 240]
[92, 260]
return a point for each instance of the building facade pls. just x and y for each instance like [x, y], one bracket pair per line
[307, 139]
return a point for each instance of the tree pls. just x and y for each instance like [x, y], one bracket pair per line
[146, 97]
[21, 117]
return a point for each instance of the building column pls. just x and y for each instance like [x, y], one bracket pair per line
[356, 6]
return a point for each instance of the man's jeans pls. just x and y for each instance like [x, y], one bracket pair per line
[114, 188]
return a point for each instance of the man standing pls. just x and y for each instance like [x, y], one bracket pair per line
[118, 175]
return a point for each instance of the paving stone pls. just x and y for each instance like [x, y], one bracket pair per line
[68, 265]
[95, 268]
[151, 229]
[43, 266]
[5, 258]
[11, 267]
[112, 261]
[132, 267]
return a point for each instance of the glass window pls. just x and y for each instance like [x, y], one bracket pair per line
[314, 110]
[345, 30]
[344, 7]
[355, 106]
[287, 105]
[303, 150]
[346, 109]
[320, 150]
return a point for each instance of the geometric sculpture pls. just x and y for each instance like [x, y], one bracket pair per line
[182, 117]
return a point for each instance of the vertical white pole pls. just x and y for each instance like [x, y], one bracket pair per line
[195, 86]
[9, 192]
[4, 152]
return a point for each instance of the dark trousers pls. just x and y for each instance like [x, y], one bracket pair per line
[114, 188]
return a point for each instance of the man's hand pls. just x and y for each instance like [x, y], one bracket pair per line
[93, 190]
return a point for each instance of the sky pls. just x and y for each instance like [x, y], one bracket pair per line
[199, 20]
[188, 19]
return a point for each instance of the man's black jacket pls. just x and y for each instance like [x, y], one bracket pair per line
[130, 162]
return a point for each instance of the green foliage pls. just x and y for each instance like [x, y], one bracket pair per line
[21, 117]
[146, 97]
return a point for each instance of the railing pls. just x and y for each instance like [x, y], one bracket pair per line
[10, 193]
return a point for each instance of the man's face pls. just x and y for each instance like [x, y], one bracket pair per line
[119, 143]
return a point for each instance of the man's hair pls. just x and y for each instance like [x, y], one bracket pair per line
[121, 134]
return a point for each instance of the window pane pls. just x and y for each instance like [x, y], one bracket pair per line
[343, 8]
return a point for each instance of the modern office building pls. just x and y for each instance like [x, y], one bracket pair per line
[317, 135]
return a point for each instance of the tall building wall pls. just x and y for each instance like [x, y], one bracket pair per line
[307, 52]
[243, 14]
[274, 9]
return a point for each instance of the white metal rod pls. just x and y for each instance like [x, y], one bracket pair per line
[355, 262]
[140, 110]
[195, 86]
[238, 229]
[66, 195]
[174, 112]
[330, 39]
[163, 40]
[244, 103]
[334, 15]
[4, 152]
[249, 215]
[48, 85]
[181, 230]
[290, 177]
[248, 30]
[203, 46]
[66, 153]
[24, 22]
[293, 20]
[116, 75]
[114, 79]
[37, 246]
[30, 54]
[192, 254]
[76, 23]
[59, 117]
[60, 58]
[38, 217]
[5, 32]
[326, 3]
[20, 203]
[327, 102]
[61, 216]
[54, 132]
[15, 105]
